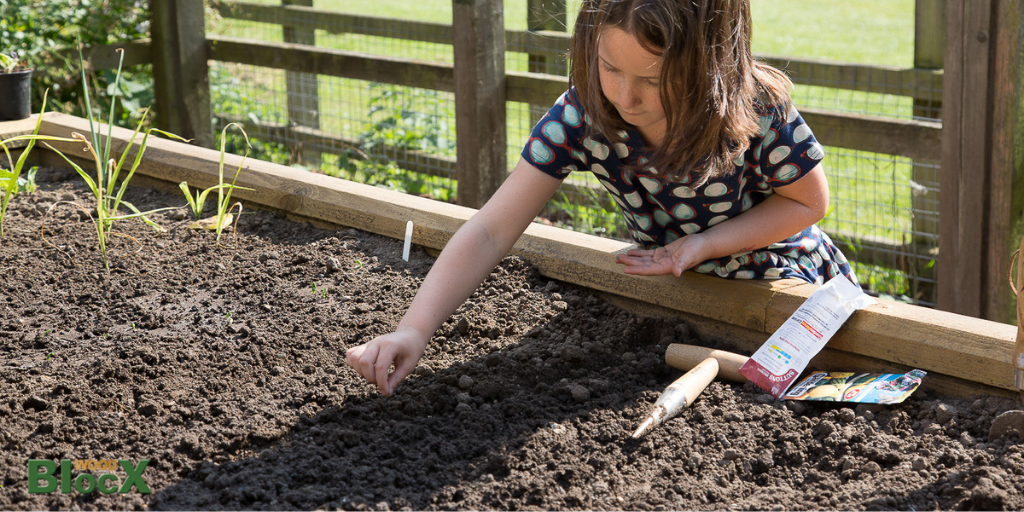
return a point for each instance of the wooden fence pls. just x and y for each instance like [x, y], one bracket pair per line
[978, 89]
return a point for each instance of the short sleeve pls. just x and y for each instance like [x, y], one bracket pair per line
[787, 150]
[554, 146]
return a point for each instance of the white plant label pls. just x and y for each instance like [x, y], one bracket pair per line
[408, 241]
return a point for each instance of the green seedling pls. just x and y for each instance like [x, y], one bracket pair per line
[223, 218]
[228, 315]
[107, 168]
[49, 356]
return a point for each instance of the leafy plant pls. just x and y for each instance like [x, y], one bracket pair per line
[40, 31]
[108, 169]
[10, 63]
[223, 217]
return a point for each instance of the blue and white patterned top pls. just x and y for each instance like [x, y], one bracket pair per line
[658, 211]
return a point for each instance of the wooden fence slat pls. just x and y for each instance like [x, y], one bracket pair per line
[303, 89]
[964, 233]
[1006, 217]
[914, 139]
[181, 76]
[479, 99]
[359, 66]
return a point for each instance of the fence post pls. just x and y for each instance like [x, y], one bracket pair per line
[479, 44]
[929, 49]
[303, 90]
[1008, 153]
[181, 74]
[546, 15]
[980, 90]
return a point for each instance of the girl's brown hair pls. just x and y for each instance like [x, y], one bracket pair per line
[710, 83]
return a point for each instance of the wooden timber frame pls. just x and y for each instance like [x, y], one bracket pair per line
[962, 355]
[982, 167]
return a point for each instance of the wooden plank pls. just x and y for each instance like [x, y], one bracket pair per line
[180, 71]
[913, 82]
[334, 22]
[941, 343]
[964, 347]
[914, 139]
[359, 66]
[479, 99]
[966, 167]
[1003, 220]
[746, 341]
[929, 33]
[303, 90]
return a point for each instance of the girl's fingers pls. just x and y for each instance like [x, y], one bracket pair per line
[366, 363]
[402, 370]
[640, 252]
[632, 260]
[381, 368]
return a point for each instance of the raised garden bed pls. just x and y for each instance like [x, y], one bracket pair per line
[223, 368]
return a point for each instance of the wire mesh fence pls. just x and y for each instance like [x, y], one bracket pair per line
[884, 212]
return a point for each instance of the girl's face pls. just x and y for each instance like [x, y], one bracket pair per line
[630, 80]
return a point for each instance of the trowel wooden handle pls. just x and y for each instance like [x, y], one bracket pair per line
[686, 357]
[693, 382]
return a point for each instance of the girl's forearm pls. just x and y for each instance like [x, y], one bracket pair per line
[773, 220]
[464, 263]
[477, 247]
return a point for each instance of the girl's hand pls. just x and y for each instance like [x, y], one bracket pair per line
[674, 258]
[373, 360]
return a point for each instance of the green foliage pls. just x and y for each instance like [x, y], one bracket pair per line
[224, 199]
[38, 29]
[10, 63]
[398, 117]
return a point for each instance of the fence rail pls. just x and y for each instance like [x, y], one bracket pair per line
[924, 84]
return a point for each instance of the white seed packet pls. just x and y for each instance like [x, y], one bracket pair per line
[776, 365]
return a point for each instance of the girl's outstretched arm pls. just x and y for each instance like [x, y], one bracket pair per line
[467, 259]
[788, 211]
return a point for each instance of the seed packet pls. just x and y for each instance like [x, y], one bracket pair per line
[867, 388]
[776, 365]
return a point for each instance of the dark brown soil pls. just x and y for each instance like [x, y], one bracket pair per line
[225, 370]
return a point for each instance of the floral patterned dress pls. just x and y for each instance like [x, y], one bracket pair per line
[658, 211]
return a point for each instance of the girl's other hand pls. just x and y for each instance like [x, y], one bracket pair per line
[674, 258]
[402, 348]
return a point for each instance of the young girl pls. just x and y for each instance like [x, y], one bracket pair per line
[698, 144]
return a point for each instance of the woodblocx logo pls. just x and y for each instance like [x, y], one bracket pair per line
[43, 477]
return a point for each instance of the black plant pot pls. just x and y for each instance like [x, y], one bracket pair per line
[15, 95]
